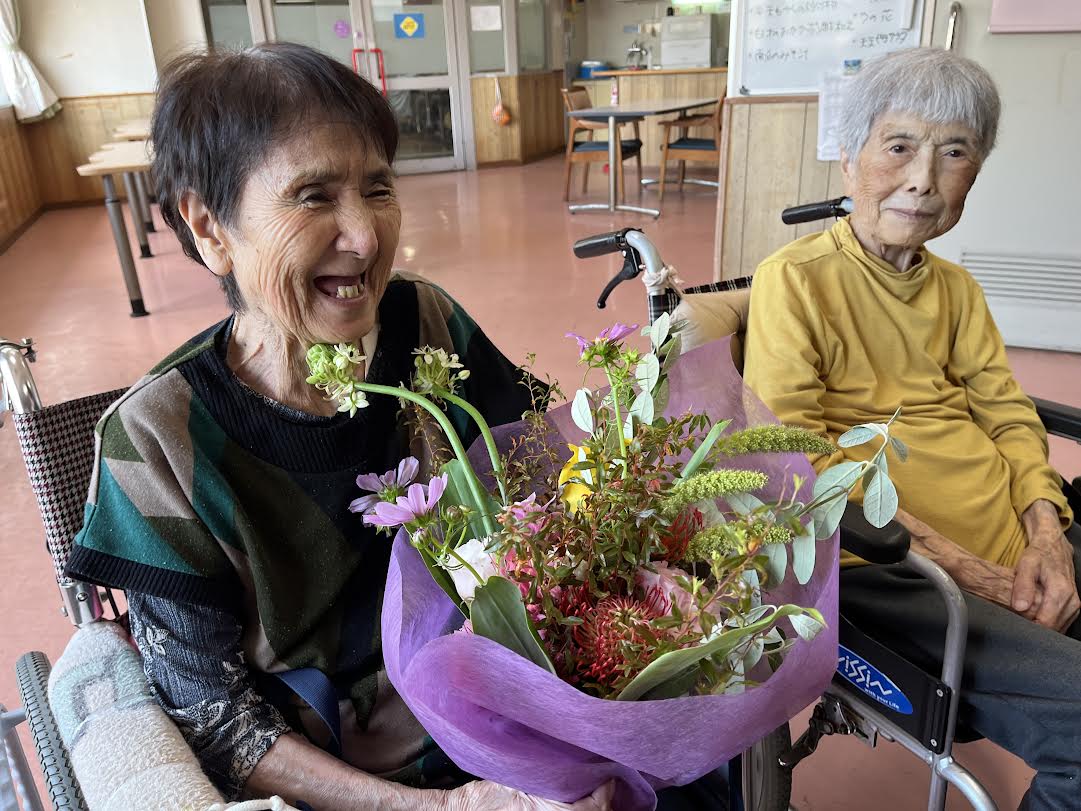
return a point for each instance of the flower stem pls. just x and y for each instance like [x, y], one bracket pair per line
[614, 390]
[485, 431]
[454, 553]
[480, 497]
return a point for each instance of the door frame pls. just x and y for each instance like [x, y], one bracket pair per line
[456, 80]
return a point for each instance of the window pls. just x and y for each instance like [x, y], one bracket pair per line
[486, 30]
[532, 35]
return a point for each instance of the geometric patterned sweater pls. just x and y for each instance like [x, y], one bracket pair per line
[213, 502]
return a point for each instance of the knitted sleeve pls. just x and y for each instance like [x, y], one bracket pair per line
[193, 662]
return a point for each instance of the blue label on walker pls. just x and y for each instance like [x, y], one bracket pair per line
[871, 681]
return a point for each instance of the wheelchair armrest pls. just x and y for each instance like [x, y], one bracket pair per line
[1059, 419]
[874, 545]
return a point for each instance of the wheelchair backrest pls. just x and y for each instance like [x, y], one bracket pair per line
[57, 445]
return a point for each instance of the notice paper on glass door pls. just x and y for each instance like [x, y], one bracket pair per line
[485, 18]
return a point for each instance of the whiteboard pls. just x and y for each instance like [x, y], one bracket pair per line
[785, 46]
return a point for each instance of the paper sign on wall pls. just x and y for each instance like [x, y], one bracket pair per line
[486, 18]
[409, 26]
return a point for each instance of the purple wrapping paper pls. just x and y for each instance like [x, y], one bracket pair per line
[503, 719]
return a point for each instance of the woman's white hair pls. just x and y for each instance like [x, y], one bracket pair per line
[935, 85]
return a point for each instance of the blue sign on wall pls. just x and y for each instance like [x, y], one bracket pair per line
[409, 26]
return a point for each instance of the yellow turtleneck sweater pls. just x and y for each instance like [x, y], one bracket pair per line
[839, 337]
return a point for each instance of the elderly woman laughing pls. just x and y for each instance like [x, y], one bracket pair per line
[848, 325]
[220, 500]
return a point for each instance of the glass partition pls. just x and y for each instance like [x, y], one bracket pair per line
[227, 24]
[486, 32]
[323, 24]
[532, 35]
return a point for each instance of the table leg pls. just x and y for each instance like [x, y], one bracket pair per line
[123, 249]
[136, 215]
[144, 201]
[612, 205]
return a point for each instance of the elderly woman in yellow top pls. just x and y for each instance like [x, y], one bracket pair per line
[850, 324]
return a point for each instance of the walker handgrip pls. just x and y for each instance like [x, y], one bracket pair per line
[601, 244]
[810, 212]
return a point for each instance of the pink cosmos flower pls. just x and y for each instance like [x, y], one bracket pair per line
[393, 480]
[613, 334]
[419, 500]
[662, 590]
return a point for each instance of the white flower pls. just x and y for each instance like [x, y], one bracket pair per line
[476, 554]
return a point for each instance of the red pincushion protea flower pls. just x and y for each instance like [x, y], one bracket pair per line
[609, 636]
[677, 537]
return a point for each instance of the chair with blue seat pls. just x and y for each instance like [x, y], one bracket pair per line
[703, 149]
[590, 151]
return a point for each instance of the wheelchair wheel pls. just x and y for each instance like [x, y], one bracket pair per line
[32, 671]
[767, 786]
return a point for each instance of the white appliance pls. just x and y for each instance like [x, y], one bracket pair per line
[687, 41]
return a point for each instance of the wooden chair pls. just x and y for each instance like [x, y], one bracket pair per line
[685, 148]
[590, 151]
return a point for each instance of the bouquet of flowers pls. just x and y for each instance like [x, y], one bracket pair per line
[593, 592]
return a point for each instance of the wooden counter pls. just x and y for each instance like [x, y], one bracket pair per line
[645, 85]
[658, 72]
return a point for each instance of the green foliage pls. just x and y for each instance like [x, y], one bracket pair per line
[497, 613]
[773, 439]
[710, 486]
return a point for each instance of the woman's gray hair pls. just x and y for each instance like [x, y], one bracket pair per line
[933, 84]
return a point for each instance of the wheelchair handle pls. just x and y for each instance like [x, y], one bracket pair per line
[601, 244]
[838, 207]
[639, 254]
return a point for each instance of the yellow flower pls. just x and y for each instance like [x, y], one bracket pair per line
[571, 493]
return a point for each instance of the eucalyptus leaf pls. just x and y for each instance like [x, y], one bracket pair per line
[459, 492]
[658, 333]
[660, 396]
[498, 613]
[647, 373]
[836, 480]
[671, 351]
[855, 436]
[743, 503]
[642, 407]
[581, 411]
[675, 664]
[754, 653]
[803, 554]
[900, 448]
[880, 501]
[807, 625]
[776, 561]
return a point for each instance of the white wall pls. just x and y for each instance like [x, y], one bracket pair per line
[606, 18]
[90, 48]
[1027, 197]
[175, 26]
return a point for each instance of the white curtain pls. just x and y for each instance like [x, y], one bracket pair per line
[30, 94]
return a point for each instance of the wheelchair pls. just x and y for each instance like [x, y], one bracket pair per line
[874, 692]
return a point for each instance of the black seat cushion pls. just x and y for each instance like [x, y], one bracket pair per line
[630, 147]
[693, 143]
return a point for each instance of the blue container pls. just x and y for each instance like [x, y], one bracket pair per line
[587, 69]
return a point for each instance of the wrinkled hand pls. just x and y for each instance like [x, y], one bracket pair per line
[483, 795]
[1045, 586]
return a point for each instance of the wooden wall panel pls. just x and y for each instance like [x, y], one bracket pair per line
[63, 142]
[536, 125]
[771, 164]
[19, 195]
[496, 144]
[542, 114]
